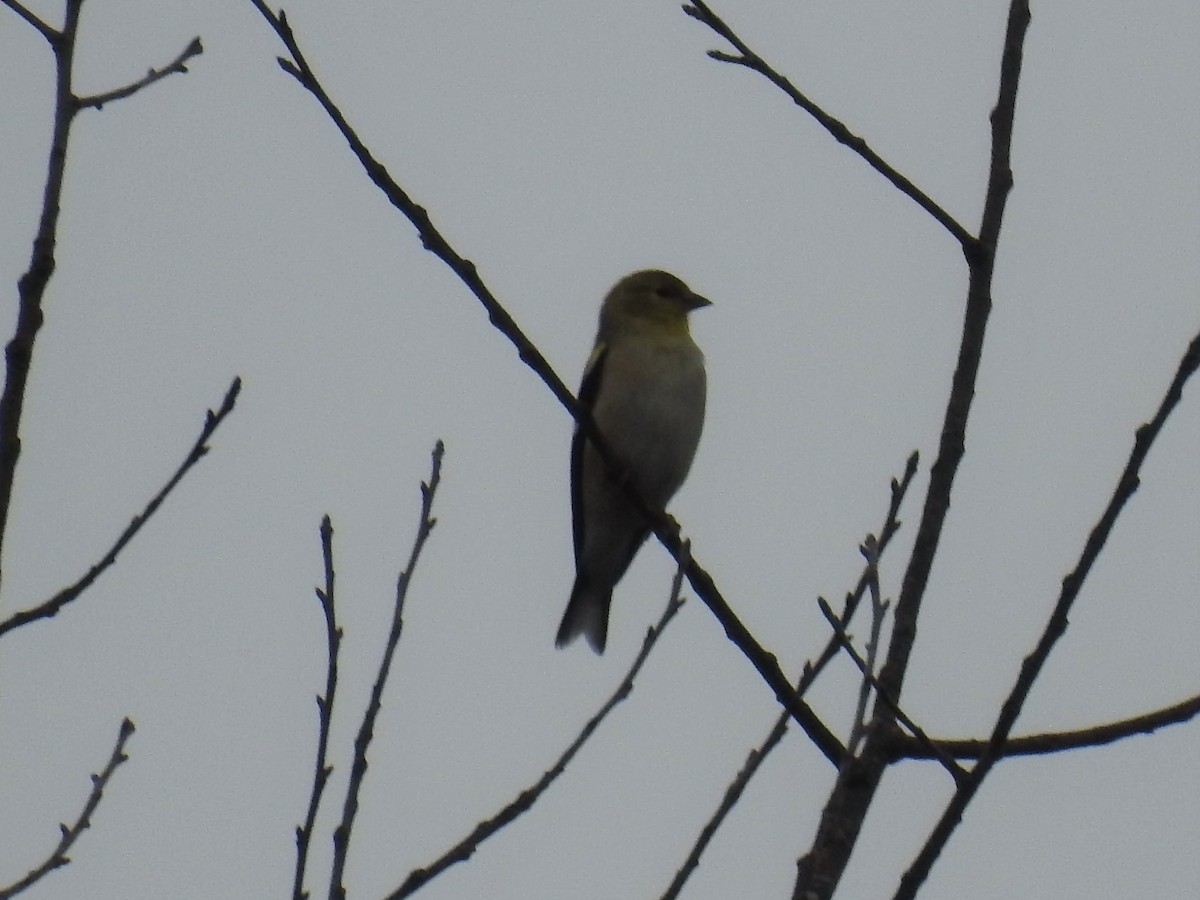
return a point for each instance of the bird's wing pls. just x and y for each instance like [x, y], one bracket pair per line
[588, 389]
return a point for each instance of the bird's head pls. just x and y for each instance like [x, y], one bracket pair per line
[650, 297]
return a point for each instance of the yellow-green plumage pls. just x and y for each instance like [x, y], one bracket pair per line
[645, 387]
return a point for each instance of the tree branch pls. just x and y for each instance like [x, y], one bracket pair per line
[747, 58]
[906, 747]
[58, 858]
[922, 739]
[321, 769]
[31, 287]
[199, 449]
[842, 819]
[756, 757]
[41, 27]
[358, 769]
[179, 64]
[1055, 627]
[869, 549]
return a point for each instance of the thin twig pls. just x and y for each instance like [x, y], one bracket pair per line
[1059, 741]
[729, 800]
[1127, 484]
[177, 65]
[756, 757]
[321, 770]
[71, 833]
[872, 683]
[891, 525]
[199, 449]
[358, 769]
[747, 58]
[664, 528]
[524, 801]
[870, 551]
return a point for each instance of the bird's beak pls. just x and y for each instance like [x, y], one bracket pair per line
[698, 302]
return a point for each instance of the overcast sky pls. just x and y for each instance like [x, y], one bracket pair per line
[216, 225]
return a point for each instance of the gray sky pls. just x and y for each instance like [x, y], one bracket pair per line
[217, 225]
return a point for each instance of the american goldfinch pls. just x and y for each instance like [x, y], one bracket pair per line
[645, 387]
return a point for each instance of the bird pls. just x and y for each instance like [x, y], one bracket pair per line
[645, 386]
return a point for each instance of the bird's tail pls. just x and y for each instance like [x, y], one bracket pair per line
[587, 614]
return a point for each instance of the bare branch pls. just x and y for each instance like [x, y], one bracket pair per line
[42, 28]
[1055, 628]
[179, 64]
[524, 801]
[864, 666]
[321, 770]
[664, 528]
[58, 858]
[31, 287]
[842, 819]
[729, 800]
[199, 449]
[891, 524]
[747, 58]
[366, 731]
[870, 551]
[1059, 741]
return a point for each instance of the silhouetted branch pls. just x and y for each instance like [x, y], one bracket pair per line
[747, 58]
[733, 793]
[869, 548]
[321, 770]
[1055, 627]
[45, 30]
[524, 801]
[58, 858]
[664, 528]
[52, 606]
[179, 64]
[1060, 741]
[31, 287]
[842, 819]
[342, 833]
[869, 679]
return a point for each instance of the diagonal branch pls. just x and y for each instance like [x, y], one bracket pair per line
[758, 755]
[199, 449]
[524, 801]
[662, 525]
[930, 748]
[366, 731]
[58, 857]
[179, 64]
[747, 58]
[41, 27]
[1055, 628]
